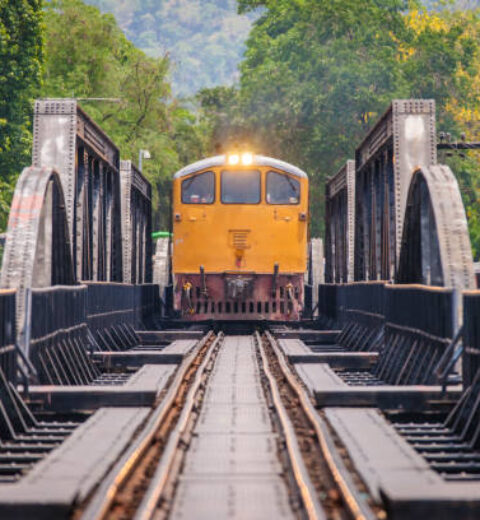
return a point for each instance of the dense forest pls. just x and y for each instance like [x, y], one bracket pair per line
[314, 77]
[64, 48]
[317, 75]
[204, 40]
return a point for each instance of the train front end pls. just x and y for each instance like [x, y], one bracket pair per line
[239, 239]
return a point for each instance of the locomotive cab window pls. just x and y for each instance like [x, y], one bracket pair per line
[240, 186]
[199, 189]
[282, 189]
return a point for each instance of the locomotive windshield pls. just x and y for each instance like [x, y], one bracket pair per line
[241, 187]
[282, 189]
[199, 189]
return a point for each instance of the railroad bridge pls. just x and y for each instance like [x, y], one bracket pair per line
[367, 408]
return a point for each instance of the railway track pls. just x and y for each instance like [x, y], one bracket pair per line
[118, 495]
[235, 434]
[113, 408]
[336, 485]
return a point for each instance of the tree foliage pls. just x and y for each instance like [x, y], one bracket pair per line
[315, 76]
[20, 62]
[461, 115]
[204, 40]
[88, 56]
[318, 73]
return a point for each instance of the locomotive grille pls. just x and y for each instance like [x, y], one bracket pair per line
[240, 239]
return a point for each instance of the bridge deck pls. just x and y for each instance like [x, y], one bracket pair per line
[232, 469]
[395, 472]
[70, 472]
[141, 389]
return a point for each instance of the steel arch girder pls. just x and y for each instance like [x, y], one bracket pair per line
[37, 248]
[435, 248]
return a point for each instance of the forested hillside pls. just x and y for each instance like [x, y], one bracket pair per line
[318, 74]
[69, 49]
[204, 39]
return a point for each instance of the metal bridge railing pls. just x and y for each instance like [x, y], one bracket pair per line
[419, 326]
[23, 438]
[148, 307]
[111, 315]
[58, 336]
[327, 304]
[66, 323]
[361, 311]
[412, 326]
[8, 359]
[471, 337]
[356, 308]
[464, 419]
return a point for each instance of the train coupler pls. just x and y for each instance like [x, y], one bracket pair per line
[290, 297]
[187, 297]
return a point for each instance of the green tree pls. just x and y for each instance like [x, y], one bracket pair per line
[318, 73]
[315, 75]
[443, 62]
[87, 55]
[20, 63]
[205, 40]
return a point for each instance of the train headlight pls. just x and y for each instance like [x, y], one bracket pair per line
[233, 159]
[247, 158]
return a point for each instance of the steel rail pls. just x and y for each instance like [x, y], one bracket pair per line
[104, 496]
[355, 502]
[157, 484]
[313, 508]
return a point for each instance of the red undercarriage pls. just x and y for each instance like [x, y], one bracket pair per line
[239, 296]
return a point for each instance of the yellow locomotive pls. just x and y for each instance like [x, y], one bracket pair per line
[239, 238]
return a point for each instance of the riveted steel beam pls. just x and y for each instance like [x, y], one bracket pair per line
[136, 194]
[340, 224]
[403, 139]
[88, 165]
